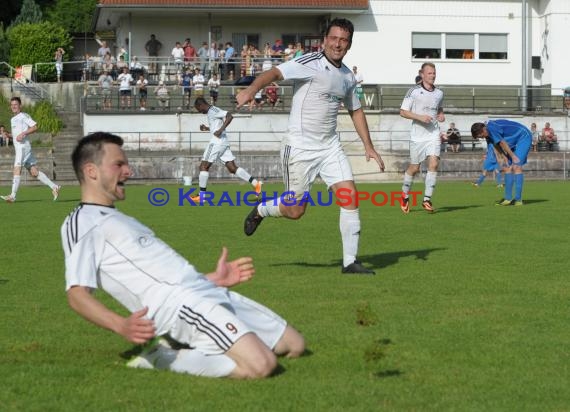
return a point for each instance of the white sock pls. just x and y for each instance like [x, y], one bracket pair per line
[203, 179]
[270, 207]
[431, 179]
[15, 185]
[407, 186]
[350, 233]
[242, 174]
[45, 180]
[196, 363]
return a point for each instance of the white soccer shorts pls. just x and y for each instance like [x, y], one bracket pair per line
[214, 328]
[221, 152]
[419, 151]
[301, 168]
[24, 156]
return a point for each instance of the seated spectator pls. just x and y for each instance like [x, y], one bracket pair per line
[136, 67]
[271, 96]
[548, 134]
[299, 50]
[5, 136]
[278, 49]
[535, 136]
[162, 96]
[453, 138]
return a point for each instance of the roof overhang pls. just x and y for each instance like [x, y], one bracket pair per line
[108, 12]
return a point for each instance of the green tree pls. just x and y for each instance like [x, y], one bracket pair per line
[4, 46]
[75, 15]
[29, 13]
[35, 43]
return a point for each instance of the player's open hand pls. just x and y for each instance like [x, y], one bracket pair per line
[373, 154]
[137, 329]
[228, 274]
[243, 98]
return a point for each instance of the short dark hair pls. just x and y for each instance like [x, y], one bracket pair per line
[476, 129]
[344, 24]
[16, 99]
[200, 101]
[90, 150]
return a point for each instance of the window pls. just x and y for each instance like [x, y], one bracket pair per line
[426, 45]
[459, 46]
[493, 46]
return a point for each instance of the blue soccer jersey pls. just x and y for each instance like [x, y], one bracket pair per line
[516, 135]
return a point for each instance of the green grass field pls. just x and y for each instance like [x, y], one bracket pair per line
[468, 310]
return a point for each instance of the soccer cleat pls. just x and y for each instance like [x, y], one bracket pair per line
[195, 199]
[426, 204]
[8, 198]
[517, 203]
[356, 268]
[55, 192]
[500, 186]
[258, 187]
[504, 202]
[252, 221]
[156, 354]
[475, 184]
[405, 205]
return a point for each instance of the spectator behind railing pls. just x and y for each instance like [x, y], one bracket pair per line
[213, 86]
[162, 95]
[105, 82]
[189, 51]
[203, 57]
[59, 62]
[153, 47]
[125, 80]
[141, 85]
[198, 82]
[178, 56]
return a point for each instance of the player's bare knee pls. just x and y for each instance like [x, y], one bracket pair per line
[262, 367]
[295, 212]
[296, 346]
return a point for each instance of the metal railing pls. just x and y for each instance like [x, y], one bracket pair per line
[27, 83]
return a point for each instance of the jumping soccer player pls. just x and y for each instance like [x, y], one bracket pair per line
[311, 147]
[219, 147]
[512, 142]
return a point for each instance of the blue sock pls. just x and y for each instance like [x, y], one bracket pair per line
[480, 179]
[519, 180]
[509, 180]
[498, 177]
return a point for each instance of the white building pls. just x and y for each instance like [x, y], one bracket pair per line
[473, 42]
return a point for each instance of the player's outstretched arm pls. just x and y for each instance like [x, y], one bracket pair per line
[361, 125]
[265, 78]
[228, 274]
[135, 328]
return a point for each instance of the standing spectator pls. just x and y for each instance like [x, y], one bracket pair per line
[423, 105]
[105, 82]
[219, 148]
[198, 83]
[229, 334]
[178, 56]
[245, 61]
[23, 126]
[125, 80]
[5, 136]
[229, 57]
[535, 136]
[162, 96]
[103, 49]
[512, 142]
[143, 92]
[213, 86]
[453, 137]
[203, 57]
[359, 81]
[109, 65]
[153, 47]
[213, 59]
[186, 83]
[311, 147]
[189, 52]
[59, 62]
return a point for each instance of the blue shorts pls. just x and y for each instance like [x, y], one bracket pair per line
[521, 150]
[490, 164]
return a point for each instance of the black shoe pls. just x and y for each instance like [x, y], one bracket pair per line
[357, 268]
[252, 221]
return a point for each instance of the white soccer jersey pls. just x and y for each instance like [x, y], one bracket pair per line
[107, 249]
[320, 87]
[125, 80]
[422, 101]
[20, 123]
[216, 118]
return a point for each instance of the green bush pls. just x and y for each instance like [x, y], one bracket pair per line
[36, 43]
[46, 117]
